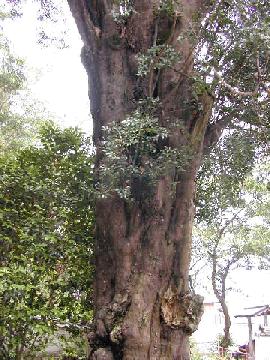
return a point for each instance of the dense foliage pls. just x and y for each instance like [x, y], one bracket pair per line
[46, 240]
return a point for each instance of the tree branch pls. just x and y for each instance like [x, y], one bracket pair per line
[227, 223]
[238, 93]
[214, 132]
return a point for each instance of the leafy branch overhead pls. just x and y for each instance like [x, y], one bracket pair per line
[235, 61]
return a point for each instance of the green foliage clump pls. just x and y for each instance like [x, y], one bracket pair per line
[46, 241]
[157, 57]
[136, 149]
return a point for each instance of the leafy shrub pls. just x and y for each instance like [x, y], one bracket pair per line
[46, 241]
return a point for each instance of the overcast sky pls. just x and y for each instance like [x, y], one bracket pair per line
[56, 76]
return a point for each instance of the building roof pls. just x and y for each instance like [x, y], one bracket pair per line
[255, 311]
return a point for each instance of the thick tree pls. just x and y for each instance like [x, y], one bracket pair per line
[158, 65]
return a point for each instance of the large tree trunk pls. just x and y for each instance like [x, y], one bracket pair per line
[143, 306]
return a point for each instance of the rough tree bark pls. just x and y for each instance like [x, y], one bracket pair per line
[143, 305]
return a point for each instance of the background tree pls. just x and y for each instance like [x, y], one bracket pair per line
[19, 118]
[232, 224]
[46, 241]
[227, 248]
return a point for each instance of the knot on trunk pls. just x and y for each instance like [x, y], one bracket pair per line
[114, 317]
[183, 311]
[108, 328]
[116, 335]
[103, 354]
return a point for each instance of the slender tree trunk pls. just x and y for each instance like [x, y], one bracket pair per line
[226, 340]
[221, 297]
[227, 318]
[143, 306]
